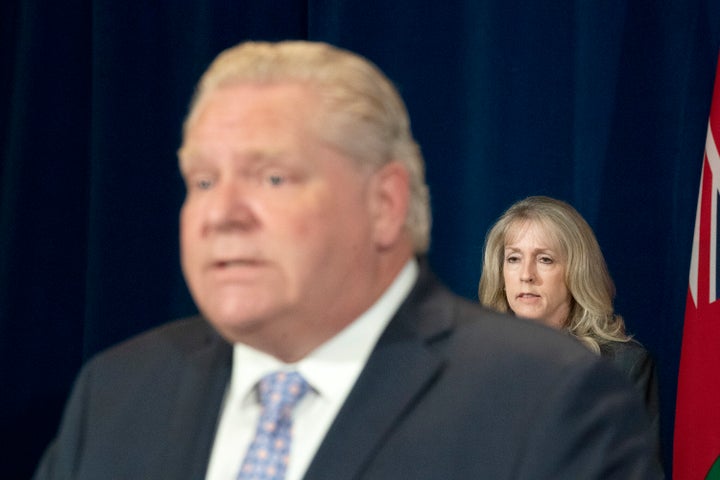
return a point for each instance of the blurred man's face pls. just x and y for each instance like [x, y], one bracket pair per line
[276, 228]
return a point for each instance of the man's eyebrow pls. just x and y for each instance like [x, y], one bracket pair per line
[188, 157]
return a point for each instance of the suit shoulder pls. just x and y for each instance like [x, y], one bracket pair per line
[455, 325]
[175, 339]
[499, 333]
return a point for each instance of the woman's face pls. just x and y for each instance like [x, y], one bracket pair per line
[534, 274]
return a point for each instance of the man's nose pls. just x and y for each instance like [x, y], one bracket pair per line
[230, 207]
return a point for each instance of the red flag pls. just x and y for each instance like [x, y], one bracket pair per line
[696, 453]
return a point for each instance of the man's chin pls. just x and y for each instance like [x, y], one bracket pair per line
[235, 326]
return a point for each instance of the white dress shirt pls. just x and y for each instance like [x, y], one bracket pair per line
[331, 370]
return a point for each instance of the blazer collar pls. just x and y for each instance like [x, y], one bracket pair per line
[400, 369]
[198, 401]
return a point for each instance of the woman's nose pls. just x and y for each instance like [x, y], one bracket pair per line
[527, 274]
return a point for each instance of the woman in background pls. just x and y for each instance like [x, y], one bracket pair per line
[542, 261]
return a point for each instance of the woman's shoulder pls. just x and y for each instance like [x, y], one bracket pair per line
[630, 348]
[630, 356]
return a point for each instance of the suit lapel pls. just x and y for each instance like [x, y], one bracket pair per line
[196, 407]
[399, 371]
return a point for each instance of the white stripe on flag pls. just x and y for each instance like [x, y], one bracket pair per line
[714, 160]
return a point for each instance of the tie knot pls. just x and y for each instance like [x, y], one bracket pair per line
[282, 390]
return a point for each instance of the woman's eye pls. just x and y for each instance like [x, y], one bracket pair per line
[512, 259]
[546, 260]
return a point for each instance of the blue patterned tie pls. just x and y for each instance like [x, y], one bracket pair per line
[268, 454]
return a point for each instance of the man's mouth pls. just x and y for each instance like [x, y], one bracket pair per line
[237, 262]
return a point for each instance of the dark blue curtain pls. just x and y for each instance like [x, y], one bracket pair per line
[600, 103]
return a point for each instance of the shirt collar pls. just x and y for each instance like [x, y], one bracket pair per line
[332, 368]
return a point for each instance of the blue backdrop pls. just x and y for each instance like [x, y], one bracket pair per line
[601, 103]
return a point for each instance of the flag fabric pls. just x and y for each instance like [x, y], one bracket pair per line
[696, 453]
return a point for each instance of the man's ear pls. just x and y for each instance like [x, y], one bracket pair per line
[389, 203]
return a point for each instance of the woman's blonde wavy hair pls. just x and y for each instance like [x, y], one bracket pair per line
[592, 318]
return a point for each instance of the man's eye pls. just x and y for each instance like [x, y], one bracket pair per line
[275, 180]
[203, 183]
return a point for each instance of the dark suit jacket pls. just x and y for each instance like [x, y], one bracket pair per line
[635, 362]
[451, 391]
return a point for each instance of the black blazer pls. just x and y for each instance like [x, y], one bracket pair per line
[637, 364]
[451, 391]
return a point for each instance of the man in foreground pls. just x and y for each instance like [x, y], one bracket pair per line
[325, 348]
